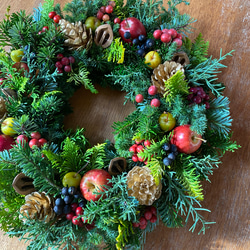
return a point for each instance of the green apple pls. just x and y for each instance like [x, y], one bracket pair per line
[7, 126]
[71, 179]
[167, 121]
[152, 59]
[92, 23]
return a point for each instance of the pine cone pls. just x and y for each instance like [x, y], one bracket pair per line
[163, 72]
[78, 36]
[37, 207]
[142, 186]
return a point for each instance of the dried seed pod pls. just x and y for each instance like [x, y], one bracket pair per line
[9, 93]
[23, 184]
[104, 35]
[181, 57]
[117, 166]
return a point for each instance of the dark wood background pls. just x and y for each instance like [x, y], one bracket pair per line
[225, 23]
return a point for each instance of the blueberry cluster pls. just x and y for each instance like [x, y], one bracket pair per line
[171, 153]
[69, 196]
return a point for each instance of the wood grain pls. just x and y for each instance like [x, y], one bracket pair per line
[225, 24]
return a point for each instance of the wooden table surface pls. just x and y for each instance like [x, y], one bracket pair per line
[225, 23]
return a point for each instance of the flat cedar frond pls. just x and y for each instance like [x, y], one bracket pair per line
[115, 51]
[157, 169]
[175, 85]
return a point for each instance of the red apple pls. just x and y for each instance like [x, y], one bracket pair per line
[186, 140]
[133, 26]
[93, 181]
[6, 142]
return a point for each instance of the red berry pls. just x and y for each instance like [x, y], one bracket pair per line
[52, 14]
[112, 3]
[155, 103]
[56, 18]
[117, 20]
[109, 9]
[178, 42]
[193, 90]
[179, 36]
[70, 215]
[206, 98]
[33, 143]
[1, 80]
[134, 158]
[45, 28]
[197, 99]
[153, 219]
[143, 227]
[207, 105]
[90, 226]
[139, 149]
[166, 38]
[165, 31]
[147, 143]
[139, 98]
[142, 221]
[132, 149]
[22, 139]
[136, 224]
[103, 9]
[152, 90]
[59, 71]
[141, 159]
[42, 141]
[65, 61]
[99, 15]
[35, 135]
[105, 17]
[138, 141]
[40, 32]
[148, 215]
[74, 206]
[71, 59]
[79, 211]
[67, 68]
[84, 220]
[59, 56]
[153, 210]
[75, 220]
[59, 64]
[157, 34]
[172, 32]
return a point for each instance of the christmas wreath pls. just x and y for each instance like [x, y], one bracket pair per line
[57, 190]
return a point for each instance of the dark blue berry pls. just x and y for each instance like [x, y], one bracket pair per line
[166, 161]
[59, 202]
[171, 156]
[166, 146]
[68, 199]
[67, 209]
[72, 190]
[173, 148]
[135, 41]
[58, 210]
[82, 203]
[143, 46]
[127, 35]
[141, 52]
[142, 38]
[64, 191]
[150, 43]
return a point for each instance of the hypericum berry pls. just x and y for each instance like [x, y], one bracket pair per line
[109, 9]
[155, 103]
[112, 3]
[197, 99]
[132, 149]
[71, 59]
[67, 68]
[58, 65]
[143, 227]
[153, 219]
[139, 98]
[117, 20]
[179, 36]
[153, 210]
[148, 215]
[139, 149]
[165, 31]
[42, 141]
[105, 17]
[70, 215]
[172, 33]
[135, 158]
[59, 71]
[127, 35]
[56, 18]
[59, 56]
[22, 139]
[147, 143]
[103, 9]
[52, 14]
[79, 211]
[45, 28]
[34, 143]
[157, 34]
[74, 206]
[207, 105]
[136, 224]
[178, 42]
[35, 135]
[65, 61]
[141, 159]
[99, 15]
[152, 90]
[75, 220]
[142, 221]
[166, 38]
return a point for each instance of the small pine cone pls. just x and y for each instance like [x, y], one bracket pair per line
[142, 186]
[78, 36]
[163, 72]
[38, 206]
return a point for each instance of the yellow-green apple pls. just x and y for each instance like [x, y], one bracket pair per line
[167, 121]
[152, 59]
[92, 23]
[7, 126]
[186, 140]
[71, 179]
[6, 142]
[16, 55]
[132, 25]
[92, 182]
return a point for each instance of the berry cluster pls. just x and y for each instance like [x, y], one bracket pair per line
[198, 96]
[171, 153]
[44, 29]
[168, 35]
[104, 11]
[36, 139]
[64, 63]
[152, 90]
[138, 147]
[149, 215]
[56, 18]
[143, 43]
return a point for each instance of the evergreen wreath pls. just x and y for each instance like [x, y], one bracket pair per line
[175, 138]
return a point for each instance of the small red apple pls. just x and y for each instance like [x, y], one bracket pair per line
[93, 181]
[132, 25]
[6, 142]
[186, 140]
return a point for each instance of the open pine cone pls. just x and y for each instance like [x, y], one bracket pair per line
[142, 186]
[38, 206]
[163, 72]
[78, 36]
